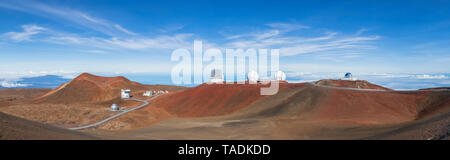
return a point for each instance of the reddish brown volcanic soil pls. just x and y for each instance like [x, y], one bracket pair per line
[209, 100]
[238, 111]
[351, 84]
[90, 88]
[17, 128]
[202, 101]
[353, 107]
[84, 100]
[298, 111]
[212, 99]
[15, 96]
[346, 106]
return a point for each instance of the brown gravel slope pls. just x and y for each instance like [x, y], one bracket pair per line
[84, 100]
[212, 99]
[14, 128]
[362, 84]
[16, 96]
[349, 107]
[90, 88]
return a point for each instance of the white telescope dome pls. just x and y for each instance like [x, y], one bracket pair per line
[253, 76]
[280, 76]
[216, 76]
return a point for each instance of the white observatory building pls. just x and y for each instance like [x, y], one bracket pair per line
[147, 94]
[114, 107]
[253, 76]
[348, 76]
[125, 93]
[216, 76]
[280, 76]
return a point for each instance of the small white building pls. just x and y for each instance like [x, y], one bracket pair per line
[162, 92]
[147, 94]
[125, 93]
[114, 107]
[253, 77]
[216, 76]
[280, 76]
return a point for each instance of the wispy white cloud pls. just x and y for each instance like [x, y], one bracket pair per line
[333, 45]
[290, 45]
[275, 30]
[117, 36]
[131, 43]
[278, 36]
[25, 35]
[160, 42]
[143, 43]
[361, 31]
[124, 30]
[256, 35]
[287, 27]
[61, 12]
[97, 51]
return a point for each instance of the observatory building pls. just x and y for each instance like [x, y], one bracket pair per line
[125, 93]
[114, 107]
[216, 76]
[147, 94]
[348, 76]
[280, 76]
[252, 77]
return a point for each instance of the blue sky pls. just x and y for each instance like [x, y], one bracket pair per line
[123, 37]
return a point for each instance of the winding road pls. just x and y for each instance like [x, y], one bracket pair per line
[145, 103]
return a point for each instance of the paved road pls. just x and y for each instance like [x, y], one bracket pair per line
[145, 103]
